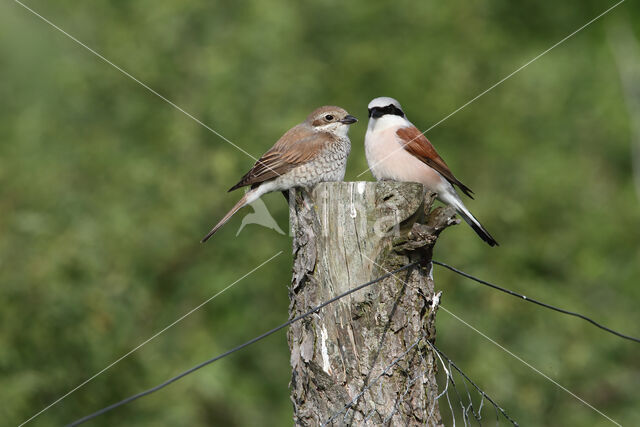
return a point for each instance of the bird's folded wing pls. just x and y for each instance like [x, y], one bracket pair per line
[418, 145]
[296, 147]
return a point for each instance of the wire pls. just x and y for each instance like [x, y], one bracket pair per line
[529, 365]
[240, 347]
[540, 303]
[520, 360]
[145, 342]
[482, 393]
[324, 304]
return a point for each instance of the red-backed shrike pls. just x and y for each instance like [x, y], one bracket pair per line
[397, 150]
[314, 151]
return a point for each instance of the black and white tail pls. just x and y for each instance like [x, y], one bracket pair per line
[475, 224]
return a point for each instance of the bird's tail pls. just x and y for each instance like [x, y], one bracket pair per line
[475, 224]
[451, 198]
[249, 197]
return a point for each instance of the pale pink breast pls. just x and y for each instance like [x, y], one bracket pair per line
[388, 160]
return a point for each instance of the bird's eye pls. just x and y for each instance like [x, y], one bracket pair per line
[328, 117]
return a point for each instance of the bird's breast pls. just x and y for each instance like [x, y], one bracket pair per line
[333, 161]
[329, 165]
[388, 159]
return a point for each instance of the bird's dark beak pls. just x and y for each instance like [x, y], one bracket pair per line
[349, 119]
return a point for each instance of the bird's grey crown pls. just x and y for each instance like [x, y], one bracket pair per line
[384, 106]
[383, 101]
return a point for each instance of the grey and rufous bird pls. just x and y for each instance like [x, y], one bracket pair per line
[398, 151]
[314, 151]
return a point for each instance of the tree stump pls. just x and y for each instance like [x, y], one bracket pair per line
[362, 360]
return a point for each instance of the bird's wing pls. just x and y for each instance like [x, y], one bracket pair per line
[418, 145]
[296, 147]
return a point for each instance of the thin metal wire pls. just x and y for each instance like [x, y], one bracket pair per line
[145, 342]
[453, 414]
[400, 398]
[240, 347]
[469, 380]
[450, 379]
[534, 301]
[446, 387]
[448, 367]
[520, 359]
[529, 365]
[471, 407]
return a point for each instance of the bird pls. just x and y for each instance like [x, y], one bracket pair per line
[313, 151]
[396, 150]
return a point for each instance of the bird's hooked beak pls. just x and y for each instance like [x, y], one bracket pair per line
[348, 119]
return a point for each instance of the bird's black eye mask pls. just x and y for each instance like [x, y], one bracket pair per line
[377, 112]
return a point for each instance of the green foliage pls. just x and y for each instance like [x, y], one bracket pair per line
[105, 191]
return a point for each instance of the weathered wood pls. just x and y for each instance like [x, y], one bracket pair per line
[345, 234]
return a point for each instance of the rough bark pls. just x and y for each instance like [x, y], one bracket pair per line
[362, 360]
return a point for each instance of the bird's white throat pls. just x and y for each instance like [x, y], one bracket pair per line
[338, 129]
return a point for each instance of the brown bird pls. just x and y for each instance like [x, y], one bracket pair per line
[314, 151]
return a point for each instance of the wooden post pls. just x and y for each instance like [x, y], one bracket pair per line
[363, 360]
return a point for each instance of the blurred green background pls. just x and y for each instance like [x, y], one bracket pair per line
[105, 191]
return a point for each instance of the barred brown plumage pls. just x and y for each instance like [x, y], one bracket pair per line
[314, 151]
